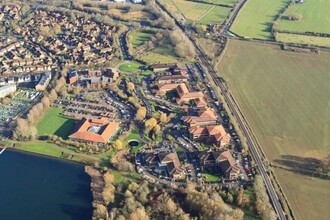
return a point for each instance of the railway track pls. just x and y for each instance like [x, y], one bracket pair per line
[243, 125]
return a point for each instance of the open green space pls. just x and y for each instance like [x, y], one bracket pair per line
[256, 18]
[152, 57]
[303, 39]
[164, 53]
[285, 98]
[216, 15]
[124, 178]
[210, 177]
[54, 123]
[199, 12]
[316, 17]
[134, 135]
[39, 147]
[139, 37]
[192, 10]
[131, 67]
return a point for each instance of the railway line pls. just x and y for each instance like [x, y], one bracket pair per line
[234, 108]
[243, 125]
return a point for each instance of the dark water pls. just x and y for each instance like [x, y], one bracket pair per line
[133, 143]
[35, 187]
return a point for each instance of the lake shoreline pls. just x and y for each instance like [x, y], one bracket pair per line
[56, 188]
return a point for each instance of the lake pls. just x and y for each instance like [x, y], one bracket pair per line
[36, 187]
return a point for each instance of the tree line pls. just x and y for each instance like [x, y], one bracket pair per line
[25, 128]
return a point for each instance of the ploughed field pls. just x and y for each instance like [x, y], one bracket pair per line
[285, 97]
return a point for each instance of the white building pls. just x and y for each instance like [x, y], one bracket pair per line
[6, 90]
[137, 1]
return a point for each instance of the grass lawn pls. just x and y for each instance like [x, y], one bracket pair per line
[303, 39]
[285, 98]
[131, 67]
[216, 15]
[54, 123]
[256, 17]
[210, 177]
[164, 53]
[105, 156]
[124, 178]
[139, 37]
[192, 10]
[199, 12]
[134, 135]
[316, 17]
[152, 57]
[40, 148]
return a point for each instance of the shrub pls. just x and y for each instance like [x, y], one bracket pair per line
[294, 17]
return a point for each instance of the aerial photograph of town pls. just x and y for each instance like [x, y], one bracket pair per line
[164, 109]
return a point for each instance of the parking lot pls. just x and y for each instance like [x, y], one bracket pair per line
[19, 103]
[99, 104]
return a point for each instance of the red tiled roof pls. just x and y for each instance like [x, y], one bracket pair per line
[217, 131]
[106, 129]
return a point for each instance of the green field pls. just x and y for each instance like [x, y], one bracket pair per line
[285, 98]
[216, 15]
[199, 12]
[256, 18]
[41, 148]
[131, 67]
[161, 54]
[303, 39]
[139, 37]
[210, 177]
[192, 10]
[54, 123]
[316, 17]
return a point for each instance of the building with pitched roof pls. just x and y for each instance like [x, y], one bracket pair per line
[205, 117]
[166, 162]
[95, 131]
[171, 79]
[211, 134]
[184, 96]
[222, 160]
